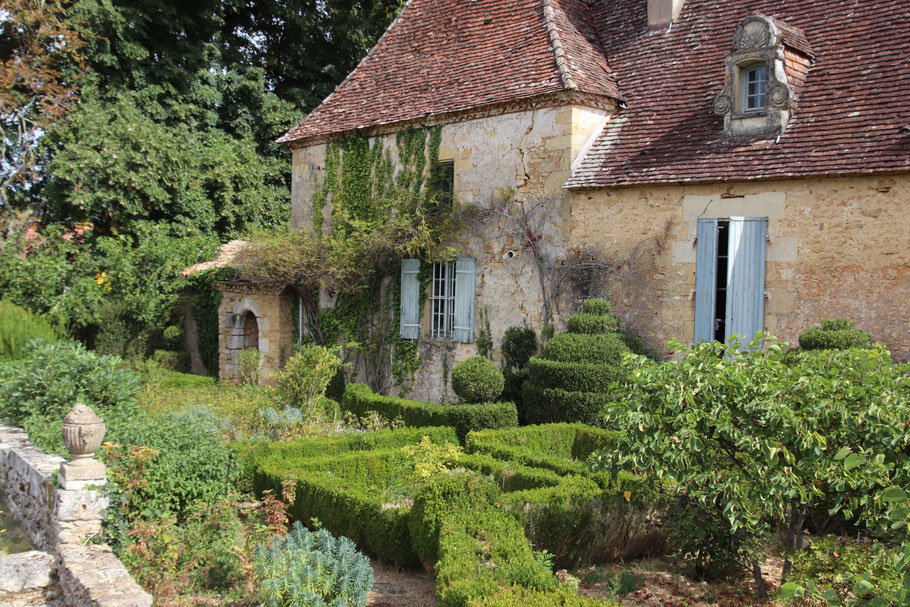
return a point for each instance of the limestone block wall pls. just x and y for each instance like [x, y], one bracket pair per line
[61, 522]
[528, 154]
[277, 328]
[838, 247]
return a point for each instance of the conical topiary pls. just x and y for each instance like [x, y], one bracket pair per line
[571, 380]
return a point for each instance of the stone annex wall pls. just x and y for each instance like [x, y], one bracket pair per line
[838, 247]
[277, 329]
[61, 522]
[529, 153]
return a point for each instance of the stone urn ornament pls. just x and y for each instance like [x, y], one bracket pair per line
[83, 432]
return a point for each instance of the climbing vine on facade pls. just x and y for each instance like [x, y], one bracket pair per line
[381, 212]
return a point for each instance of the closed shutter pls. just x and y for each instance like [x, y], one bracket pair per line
[705, 279]
[465, 269]
[410, 299]
[746, 277]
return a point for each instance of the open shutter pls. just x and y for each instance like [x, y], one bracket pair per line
[465, 269]
[410, 299]
[705, 279]
[746, 277]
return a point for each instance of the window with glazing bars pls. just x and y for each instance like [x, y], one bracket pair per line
[442, 300]
[754, 90]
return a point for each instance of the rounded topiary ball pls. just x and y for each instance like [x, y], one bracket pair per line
[477, 380]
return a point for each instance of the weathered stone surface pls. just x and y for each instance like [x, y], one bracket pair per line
[26, 571]
[59, 521]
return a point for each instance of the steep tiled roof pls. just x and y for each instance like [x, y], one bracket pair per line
[852, 116]
[444, 56]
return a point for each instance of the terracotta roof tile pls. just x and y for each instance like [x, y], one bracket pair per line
[442, 56]
[852, 115]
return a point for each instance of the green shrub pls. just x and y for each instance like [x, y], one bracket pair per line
[481, 551]
[335, 389]
[442, 495]
[184, 461]
[18, 326]
[633, 342]
[573, 347]
[303, 380]
[52, 377]
[519, 344]
[170, 360]
[514, 386]
[834, 334]
[511, 596]
[360, 399]
[823, 431]
[306, 569]
[477, 380]
[574, 377]
[831, 562]
[555, 405]
[598, 306]
[592, 324]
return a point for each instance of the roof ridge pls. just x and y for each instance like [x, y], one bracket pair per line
[562, 64]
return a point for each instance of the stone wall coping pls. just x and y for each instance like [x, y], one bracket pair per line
[62, 522]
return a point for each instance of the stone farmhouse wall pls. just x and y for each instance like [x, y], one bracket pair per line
[529, 153]
[61, 523]
[838, 247]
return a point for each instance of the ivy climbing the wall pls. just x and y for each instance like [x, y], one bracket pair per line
[381, 212]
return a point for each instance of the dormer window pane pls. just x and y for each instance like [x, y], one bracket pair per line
[754, 91]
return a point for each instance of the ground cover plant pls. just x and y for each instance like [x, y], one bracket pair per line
[756, 440]
[359, 399]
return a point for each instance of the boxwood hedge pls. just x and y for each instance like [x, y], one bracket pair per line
[834, 334]
[359, 399]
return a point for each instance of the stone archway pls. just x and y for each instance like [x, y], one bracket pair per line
[250, 327]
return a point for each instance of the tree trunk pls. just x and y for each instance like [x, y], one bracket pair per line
[761, 590]
[794, 541]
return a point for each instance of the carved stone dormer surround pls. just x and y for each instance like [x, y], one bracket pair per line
[758, 39]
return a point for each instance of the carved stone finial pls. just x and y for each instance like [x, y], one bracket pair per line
[83, 432]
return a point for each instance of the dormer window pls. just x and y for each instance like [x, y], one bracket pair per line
[758, 95]
[755, 82]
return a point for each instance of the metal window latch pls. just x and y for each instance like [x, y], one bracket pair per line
[692, 295]
[767, 295]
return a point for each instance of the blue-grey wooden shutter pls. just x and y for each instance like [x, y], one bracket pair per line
[410, 299]
[746, 277]
[465, 269]
[705, 279]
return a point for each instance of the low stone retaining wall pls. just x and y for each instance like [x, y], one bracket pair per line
[61, 522]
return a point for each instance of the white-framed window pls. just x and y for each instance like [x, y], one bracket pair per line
[442, 300]
[754, 85]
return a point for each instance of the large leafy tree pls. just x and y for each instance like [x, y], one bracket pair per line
[40, 63]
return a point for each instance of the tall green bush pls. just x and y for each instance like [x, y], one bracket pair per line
[303, 380]
[18, 326]
[307, 569]
[760, 438]
[572, 379]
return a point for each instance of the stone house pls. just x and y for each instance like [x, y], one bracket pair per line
[713, 168]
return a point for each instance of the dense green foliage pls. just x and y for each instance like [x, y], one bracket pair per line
[43, 386]
[18, 326]
[519, 344]
[359, 399]
[117, 291]
[437, 499]
[759, 438]
[303, 380]
[834, 334]
[306, 569]
[573, 377]
[477, 380]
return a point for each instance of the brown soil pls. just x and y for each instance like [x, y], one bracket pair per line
[664, 584]
[395, 587]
